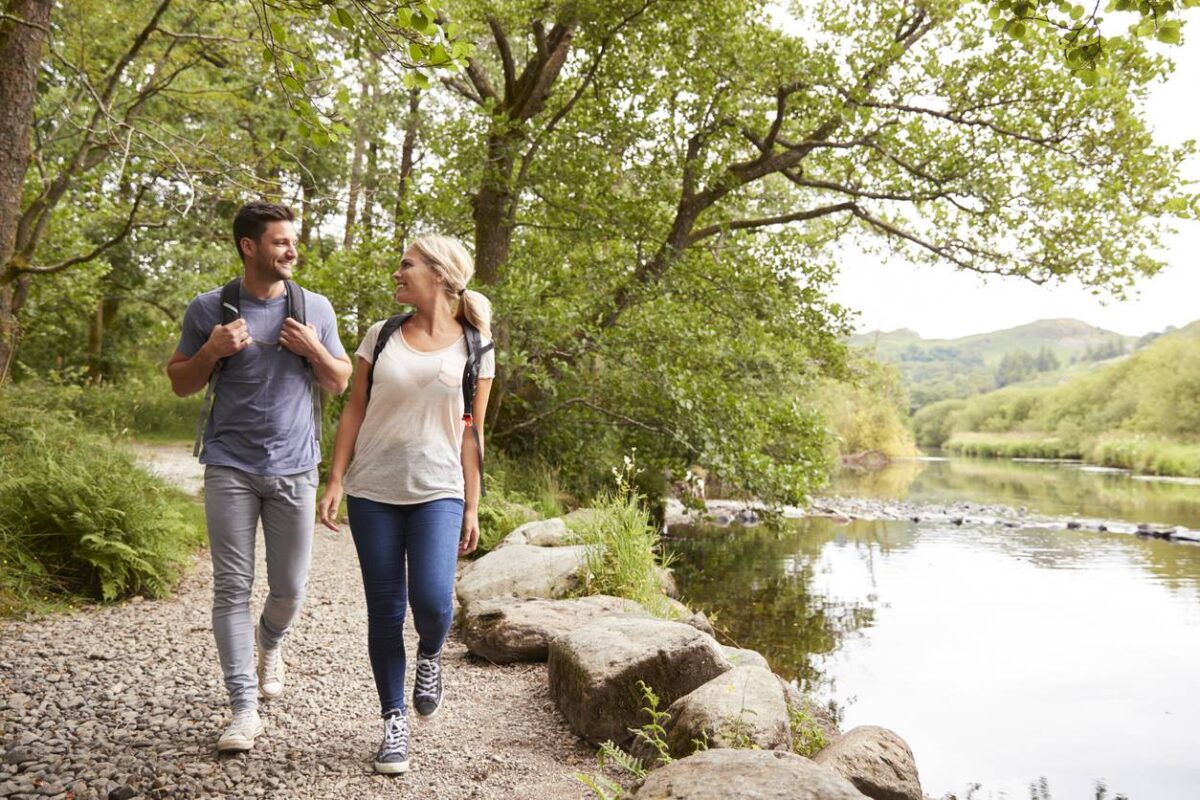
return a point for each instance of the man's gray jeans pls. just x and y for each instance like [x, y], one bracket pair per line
[234, 501]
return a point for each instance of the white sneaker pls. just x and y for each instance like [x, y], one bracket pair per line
[245, 727]
[270, 668]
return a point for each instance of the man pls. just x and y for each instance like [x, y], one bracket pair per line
[260, 448]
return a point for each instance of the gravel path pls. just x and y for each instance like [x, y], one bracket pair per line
[126, 701]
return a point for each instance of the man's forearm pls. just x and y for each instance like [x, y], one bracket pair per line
[333, 374]
[189, 375]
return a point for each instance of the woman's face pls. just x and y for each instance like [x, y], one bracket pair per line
[417, 283]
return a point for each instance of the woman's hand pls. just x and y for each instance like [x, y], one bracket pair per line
[470, 532]
[328, 505]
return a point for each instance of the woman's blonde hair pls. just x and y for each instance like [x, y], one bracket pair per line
[448, 258]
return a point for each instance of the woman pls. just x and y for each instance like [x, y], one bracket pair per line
[413, 486]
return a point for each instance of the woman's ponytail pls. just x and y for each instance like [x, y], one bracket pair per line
[476, 309]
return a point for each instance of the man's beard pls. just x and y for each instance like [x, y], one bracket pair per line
[273, 271]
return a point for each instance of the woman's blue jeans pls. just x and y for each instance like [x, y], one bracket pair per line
[407, 555]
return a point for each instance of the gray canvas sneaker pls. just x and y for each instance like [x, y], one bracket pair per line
[427, 686]
[270, 668]
[392, 756]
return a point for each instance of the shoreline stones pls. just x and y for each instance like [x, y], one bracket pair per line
[594, 672]
[505, 629]
[877, 761]
[746, 775]
[522, 570]
[744, 707]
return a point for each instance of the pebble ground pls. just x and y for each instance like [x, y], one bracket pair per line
[126, 701]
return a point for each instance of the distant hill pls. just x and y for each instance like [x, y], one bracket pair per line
[936, 369]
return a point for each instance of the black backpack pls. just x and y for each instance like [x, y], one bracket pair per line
[475, 351]
[231, 310]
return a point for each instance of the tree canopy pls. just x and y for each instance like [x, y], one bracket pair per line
[656, 191]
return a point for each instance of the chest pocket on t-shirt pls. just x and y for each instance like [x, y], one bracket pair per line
[451, 373]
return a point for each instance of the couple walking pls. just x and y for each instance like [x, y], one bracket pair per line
[407, 456]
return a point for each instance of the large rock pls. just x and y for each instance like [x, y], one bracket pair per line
[875, 760]
[744, 707]
[507, 629]
[681, 613]
[741, 657]
[746, 775]
[594, 672]
[522, 571]
[539, 533]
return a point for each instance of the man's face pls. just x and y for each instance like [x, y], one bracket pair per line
[273, 256]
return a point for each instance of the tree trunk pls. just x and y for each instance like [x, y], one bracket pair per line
[493, 205]
[96, 342]
[401, 218]
[370, 189]
[308, 204]
[356, 166]
[20, 58]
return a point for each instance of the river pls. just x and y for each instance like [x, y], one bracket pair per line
[1008, 658]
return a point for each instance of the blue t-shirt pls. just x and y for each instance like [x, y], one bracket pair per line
[262, 417]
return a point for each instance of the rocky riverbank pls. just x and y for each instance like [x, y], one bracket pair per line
[126, 701]
[848, 509]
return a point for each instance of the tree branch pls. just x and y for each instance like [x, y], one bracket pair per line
[762, 222]
[506, 58]
[115, 240]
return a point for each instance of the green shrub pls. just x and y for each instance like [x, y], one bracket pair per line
[622, 555]
[144, 407]
[1148, 455]
[78, 517]
[516, 493]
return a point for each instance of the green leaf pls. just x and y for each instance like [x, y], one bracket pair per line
[345, 19]
[416, 52]
[1169, 32]
[292, 85]
[278, 32]
[421, 23]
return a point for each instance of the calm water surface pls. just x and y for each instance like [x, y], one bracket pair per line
[1001, 655]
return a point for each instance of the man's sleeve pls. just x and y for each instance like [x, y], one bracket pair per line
[195, 331]
[328, 331]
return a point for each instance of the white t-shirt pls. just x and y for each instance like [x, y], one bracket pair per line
[408, 448]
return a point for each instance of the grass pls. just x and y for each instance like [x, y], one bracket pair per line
[1144, 455]
[1011, 445]
[79, 520]
[516, 493]
[623, 552]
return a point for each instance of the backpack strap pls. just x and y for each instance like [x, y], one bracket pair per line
[470, 383]
[475, 352]
[231, 310]
[385, 335]
[297, 311]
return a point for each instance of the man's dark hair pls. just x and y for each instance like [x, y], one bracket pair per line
[252, 219]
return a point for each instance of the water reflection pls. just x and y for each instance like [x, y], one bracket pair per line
[756, 586]
[1056, 489]
[1000, 654]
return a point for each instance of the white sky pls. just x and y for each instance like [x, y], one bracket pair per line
[939, 302]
